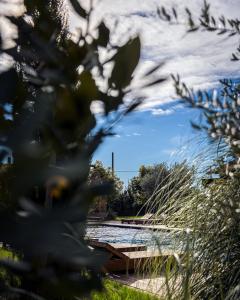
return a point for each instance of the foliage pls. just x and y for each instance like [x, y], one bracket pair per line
[100, 175]
[212, 212]
[152, 177]
[7, 254]
[220, 107]
[218, 241]
[142, 189]
[156, 184]
[6, 200]
[212, 215]
[53, 133]
[221, 111]
[135, 194]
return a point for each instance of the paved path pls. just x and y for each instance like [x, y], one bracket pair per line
[136, 226]
[153, 285]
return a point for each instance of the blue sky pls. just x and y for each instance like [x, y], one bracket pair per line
[145, 138]
[161, 130]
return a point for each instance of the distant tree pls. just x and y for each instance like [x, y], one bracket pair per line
[152, 178]
[156, 184]
[127, 205]
[135, 195]
[99, 175]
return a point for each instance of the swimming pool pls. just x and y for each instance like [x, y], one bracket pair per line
[163, 240]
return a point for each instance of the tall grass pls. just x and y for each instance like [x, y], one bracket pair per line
[206, 265]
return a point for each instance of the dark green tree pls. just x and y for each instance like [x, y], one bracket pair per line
[53, 134]
[156, 184]
[100, 175]
[152, 178]
[135, 196]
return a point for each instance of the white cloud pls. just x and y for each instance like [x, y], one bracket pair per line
[201, 58]
[133, 134]
[97, 107]
[8, 30]
[162, 112]
[165, 112]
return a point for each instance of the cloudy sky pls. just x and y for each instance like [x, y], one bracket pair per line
[201, 59]
[161, 130]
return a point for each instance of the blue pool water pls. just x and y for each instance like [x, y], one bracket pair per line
[150, 238]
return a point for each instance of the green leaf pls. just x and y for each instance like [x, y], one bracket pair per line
[87, 89]
[154, 69]
[157, 81]
[104, 34]
[174, 13]
[111, 103]
[76, 53]
[195, 126]
[78, 8]
[126, 60]
[8, 82]
[193, 29]
[234, 57]
[133, 106]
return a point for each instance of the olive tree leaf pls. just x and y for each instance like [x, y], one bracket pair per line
[104, 34]
[8, 81]
[125, 62]
[78, 8]
[87, 88]
[111, 103]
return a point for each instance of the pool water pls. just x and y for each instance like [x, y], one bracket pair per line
[162, 240]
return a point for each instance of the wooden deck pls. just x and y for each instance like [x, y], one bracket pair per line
[117, 248]
[129, 247]
[154, 227]
[128, 257]
[146, 254]
[141, 221]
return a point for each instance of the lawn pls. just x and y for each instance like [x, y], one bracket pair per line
[117, 291]
[4, 274]
[5, 254]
